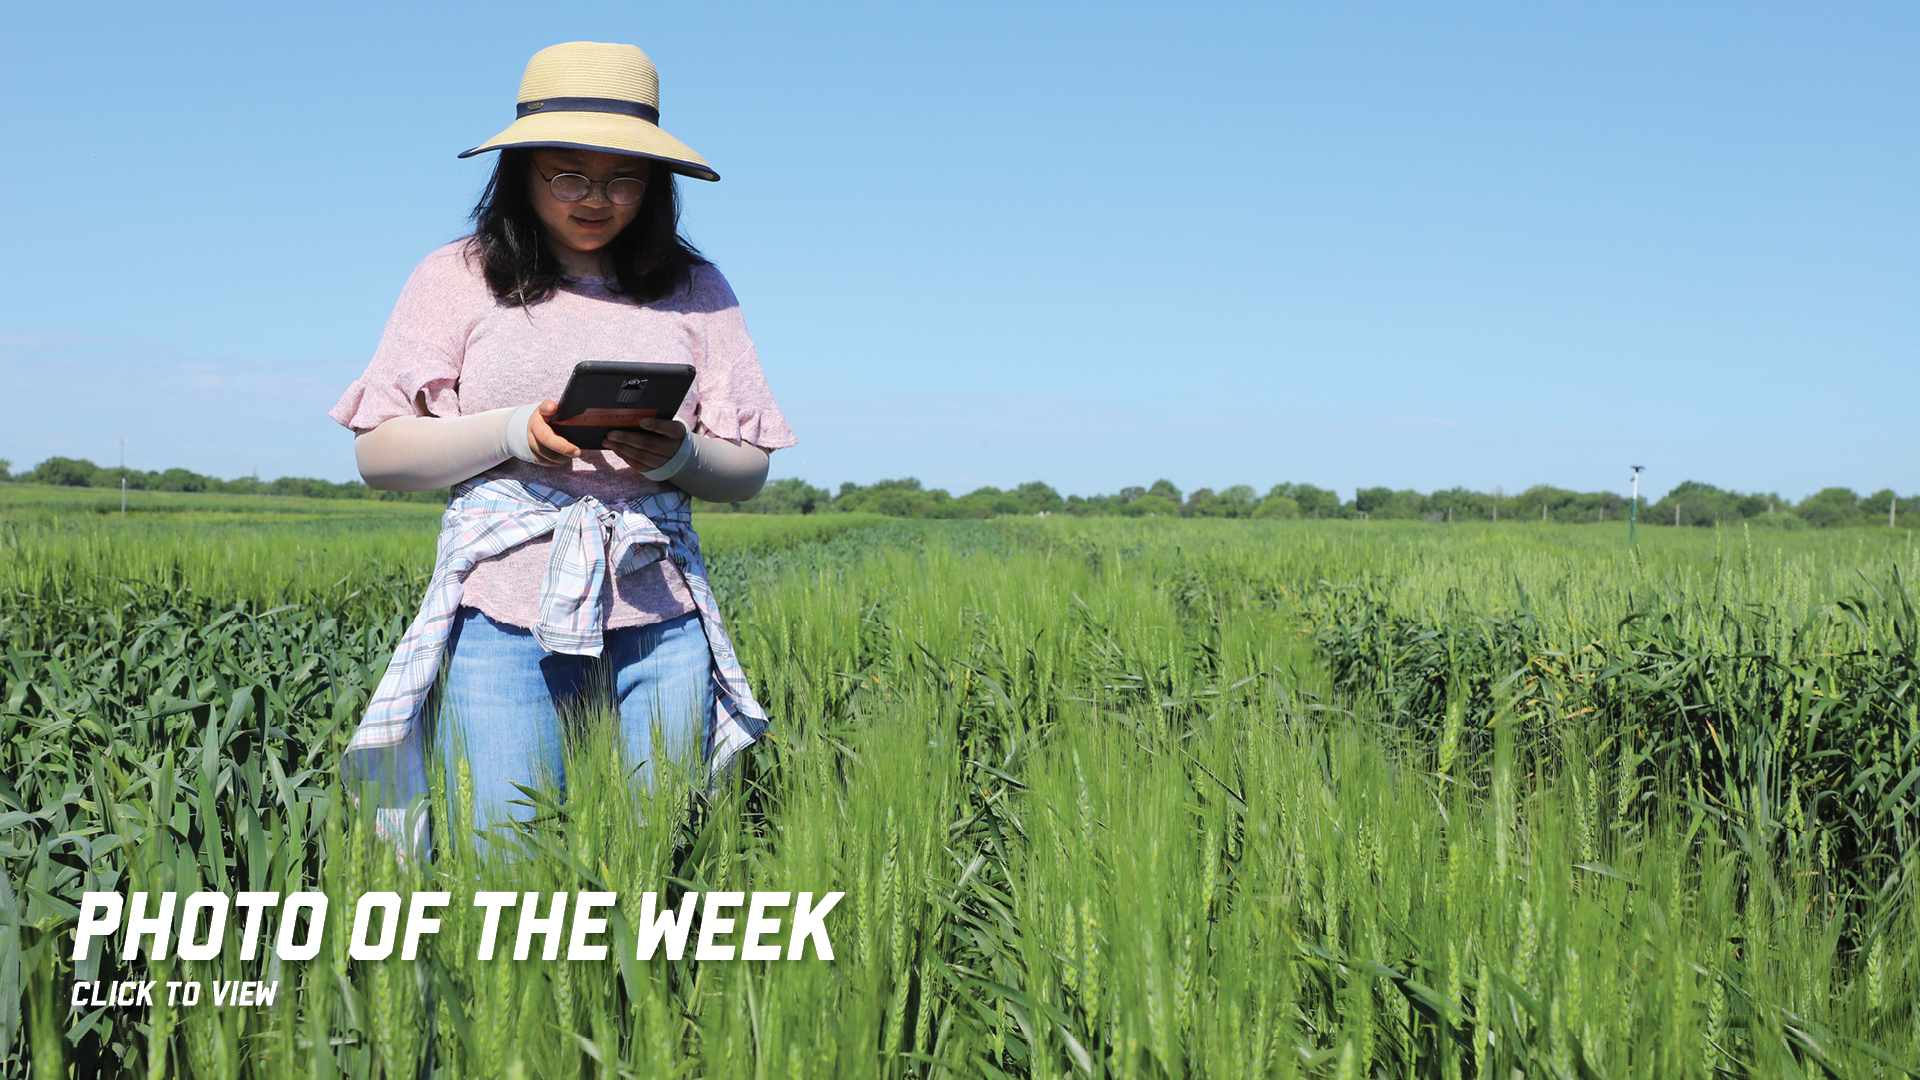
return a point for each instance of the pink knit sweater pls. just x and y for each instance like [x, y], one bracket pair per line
[451, 350]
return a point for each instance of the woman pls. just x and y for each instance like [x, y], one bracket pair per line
[562, 574]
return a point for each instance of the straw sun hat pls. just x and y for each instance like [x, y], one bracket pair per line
[585, 95]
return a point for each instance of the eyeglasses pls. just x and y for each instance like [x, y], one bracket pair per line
[572, 187]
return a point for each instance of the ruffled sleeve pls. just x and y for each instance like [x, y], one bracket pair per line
[733, 399]
[416, 368]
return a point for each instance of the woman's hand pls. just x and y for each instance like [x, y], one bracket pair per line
[649, 449]
[547, 446]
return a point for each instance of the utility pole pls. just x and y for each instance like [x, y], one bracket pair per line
[1633, 509]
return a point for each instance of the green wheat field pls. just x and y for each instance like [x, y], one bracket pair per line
[1107, 798]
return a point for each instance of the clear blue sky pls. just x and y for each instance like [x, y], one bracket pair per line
[1412, 245]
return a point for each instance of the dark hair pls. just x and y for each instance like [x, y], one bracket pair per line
[651, 260]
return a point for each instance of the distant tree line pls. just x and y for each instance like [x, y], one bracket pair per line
[1691, 503]
[79, 472]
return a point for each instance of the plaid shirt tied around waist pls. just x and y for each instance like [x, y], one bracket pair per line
[485, 518]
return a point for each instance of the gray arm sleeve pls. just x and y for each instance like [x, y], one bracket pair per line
[715, 469]
[420, 453]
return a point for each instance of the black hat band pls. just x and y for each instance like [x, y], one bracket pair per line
[637, 109]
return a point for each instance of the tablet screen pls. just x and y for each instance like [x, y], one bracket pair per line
[612, 395]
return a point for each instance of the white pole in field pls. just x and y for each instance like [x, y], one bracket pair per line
[123, 476]
[1893, 503]
[1633, 508]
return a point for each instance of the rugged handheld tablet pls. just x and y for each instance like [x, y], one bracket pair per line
[613, 395]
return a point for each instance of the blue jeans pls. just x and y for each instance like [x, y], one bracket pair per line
[505, 704]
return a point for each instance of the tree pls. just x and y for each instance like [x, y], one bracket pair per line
[1166, 490]
[1242, 498]
[897, 498]
[788, 496]
[1093, 505]
[1830, 507]
[65, 472]
[989, 502]
[1873, 508]
[1238, 501]
[1385, 503]
[1038, 498]
[1698, 504]
[1277, 506]
[181, 480]
[1459, 504]
[304, 486]
[1559, 504]
[1367, 500]
[1312, 501]
[1151, 506]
